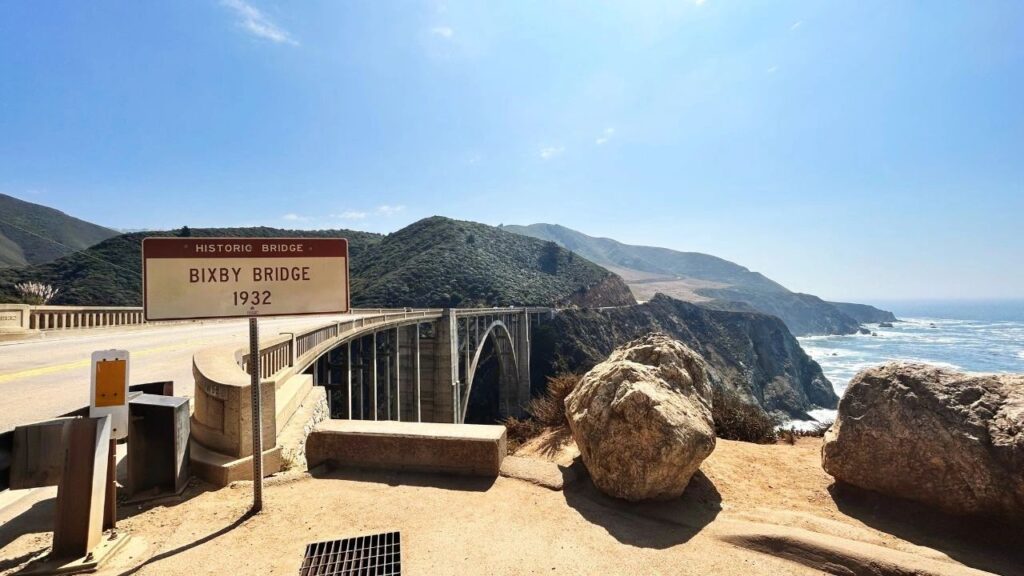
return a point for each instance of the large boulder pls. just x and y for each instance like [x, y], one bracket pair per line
[948, 439]
[642, 419]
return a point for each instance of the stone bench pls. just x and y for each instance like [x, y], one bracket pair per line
[466, 449]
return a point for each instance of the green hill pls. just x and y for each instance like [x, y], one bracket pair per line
[34, 234]
[433, 262]
[704, 279]
[442, 262]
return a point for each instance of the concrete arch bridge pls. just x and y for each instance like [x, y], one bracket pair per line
[414, 365]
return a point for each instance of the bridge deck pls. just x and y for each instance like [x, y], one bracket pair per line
[45, 377]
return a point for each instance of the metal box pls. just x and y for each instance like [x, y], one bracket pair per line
[158, 450]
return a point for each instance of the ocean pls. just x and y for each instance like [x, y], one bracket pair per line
[966, 336]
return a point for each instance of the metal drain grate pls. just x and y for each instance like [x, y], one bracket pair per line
[373, 555]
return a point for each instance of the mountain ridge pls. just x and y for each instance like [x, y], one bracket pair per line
[706, 280]
[435, 262]
[32, 234]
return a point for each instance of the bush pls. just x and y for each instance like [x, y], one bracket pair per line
[818, 430]
[36, 293]
[520, 432]
[546, 411]
[549, 408]
[736, 419]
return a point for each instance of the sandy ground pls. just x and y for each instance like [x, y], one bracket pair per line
[753, 510]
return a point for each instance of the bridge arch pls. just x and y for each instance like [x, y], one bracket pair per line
[504, 344]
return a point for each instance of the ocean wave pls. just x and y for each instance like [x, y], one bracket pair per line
[819, 416]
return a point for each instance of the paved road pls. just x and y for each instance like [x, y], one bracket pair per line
[43, 378]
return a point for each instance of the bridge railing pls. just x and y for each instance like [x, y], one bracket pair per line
[69, 317]
[221, 421]
[79, 317]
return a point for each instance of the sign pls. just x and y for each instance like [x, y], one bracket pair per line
[109, 391]
[195, 278]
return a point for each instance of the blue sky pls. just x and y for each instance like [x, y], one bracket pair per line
[854, 150]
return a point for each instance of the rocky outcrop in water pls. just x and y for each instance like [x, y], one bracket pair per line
[951, 440]
[754, 354]
[642, 419]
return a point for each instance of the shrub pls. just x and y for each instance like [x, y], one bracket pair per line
[548, 409]
[36, 293]
[736, 419]
[520, 432]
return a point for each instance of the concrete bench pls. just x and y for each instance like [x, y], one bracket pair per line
[467, 449]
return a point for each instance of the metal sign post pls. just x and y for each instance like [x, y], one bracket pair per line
[257, 420]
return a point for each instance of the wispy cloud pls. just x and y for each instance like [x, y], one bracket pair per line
[699, 2]
[549, 152]
[350, 215]
[256, 23]
[796, 24]
[772, 70]
[390, 209]
[292, 217]
[443, 31]
[605, 136]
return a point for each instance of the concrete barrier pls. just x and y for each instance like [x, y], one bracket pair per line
[15, 321]
[466, 449]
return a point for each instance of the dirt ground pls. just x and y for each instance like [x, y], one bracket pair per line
[752, 510]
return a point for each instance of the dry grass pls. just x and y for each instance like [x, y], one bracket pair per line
[519, 432]
[549, 408]
[738, 420]
[546, 411]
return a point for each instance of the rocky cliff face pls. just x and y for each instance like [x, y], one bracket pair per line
[756, 356]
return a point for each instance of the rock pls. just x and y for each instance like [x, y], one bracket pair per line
[863, 330]
[885, 324]
[951, 440]
[755, 355]
[642, 418]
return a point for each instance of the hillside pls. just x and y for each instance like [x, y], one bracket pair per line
[34, 234]
[433, 262]
[754, 353]
[442, 262]
[704, 279]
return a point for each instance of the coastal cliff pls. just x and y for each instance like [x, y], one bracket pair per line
[864, 313]
[755, 354]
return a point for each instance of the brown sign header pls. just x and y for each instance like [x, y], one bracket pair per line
[244, 247]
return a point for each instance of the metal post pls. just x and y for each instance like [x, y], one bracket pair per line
[373, 401]
[398, 374]
[110, 503]
[348, 367]
[257, 427]
[362, 381]
[419, 403]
